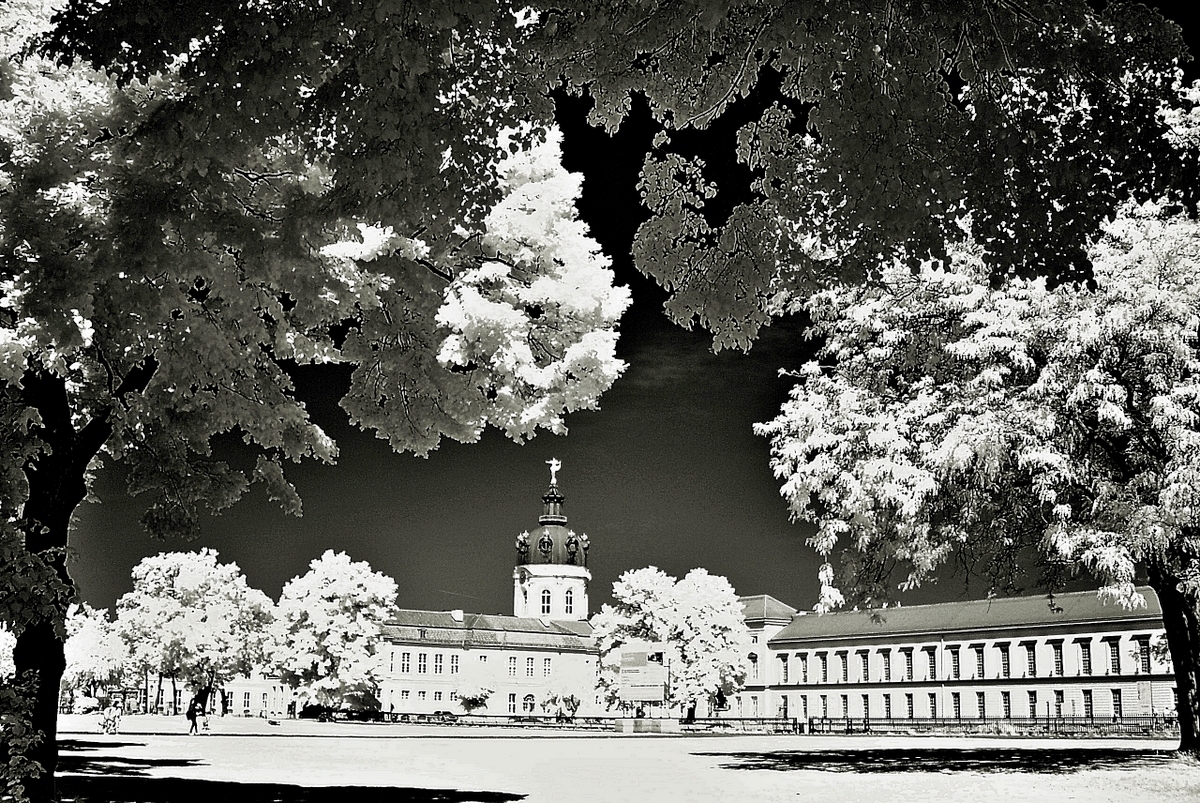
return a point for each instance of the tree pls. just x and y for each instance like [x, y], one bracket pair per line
[698, 618]
[7, 641]
[561, 702]
[952, 422]
[474, 697]
[96, 655]
[163, 274]
[326, 634]
[193, 620]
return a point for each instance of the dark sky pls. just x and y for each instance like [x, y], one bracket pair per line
[666, 473]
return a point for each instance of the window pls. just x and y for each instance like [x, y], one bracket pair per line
[528, 667]
[887, 706]
[933, 705]
[845, 667]
[437, 664]
[1033, 705]
[803, 667]
[908, 664]
[887, 664]
[846, 706]
[422, 663]
[569, 601]
[1006, 704]
[753, 667]
[512, 666]
[246, 701]
[783, 668]
[824, 666]
[545, 667]
[1118, 711]
[1058, 702]
[864, 658]
[437, 696]
[783, 706]
[1085, 657]
[980, 707]
[1144, 655]
[931, 656]
[453, 696]
[404, 694]
[421, 633]
[453, 664]
[421, 695]
[512, 703]
[955, 664]
[1114, 657]
[908, 705]
[866, 701]
[1088, 710]
[978, 660]
[483, 659]
[391, 661]
[804, 706]
[824, 706]
[1058, 659]
[1031, 659]
[956, 704]
[1005, 666]
[405, 663]
[545, 601]
[527, 703]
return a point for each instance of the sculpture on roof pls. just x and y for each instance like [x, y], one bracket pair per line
[555, 464]
[522, 547]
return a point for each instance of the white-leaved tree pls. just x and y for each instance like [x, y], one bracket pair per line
[7, 642]
[193, 620]
[950, 420]
[324, 641]
[97, 657]
[698, 619]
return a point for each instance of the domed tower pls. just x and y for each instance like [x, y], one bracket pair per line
[551, 576]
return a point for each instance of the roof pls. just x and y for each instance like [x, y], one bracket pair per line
[484, 630]
[764, 606]
[949, 618]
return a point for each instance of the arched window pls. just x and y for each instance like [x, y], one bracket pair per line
[569, 602]
[545, 601]
[527, 704]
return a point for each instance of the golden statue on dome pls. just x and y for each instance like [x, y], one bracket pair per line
[555, 465]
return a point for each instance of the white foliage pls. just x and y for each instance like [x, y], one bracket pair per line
[7, 642]
[94, 650]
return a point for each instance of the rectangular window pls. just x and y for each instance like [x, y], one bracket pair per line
[1058, 702]
[908, 705]
[453, 664]
[421, 695]
[824, 706]
[1118, 709]
[846, 706]
[1005, 666]
[908, 664]
[1031, 659]
[845, 667]
[931, 654]
[980, 707]
[512, 702]
[803, 667]
[824, 659]
[1085, 657]
[512, 666]
[886, 655]
[804, 706]
[1114, 657]
[864, 658]
[528, 667]
[545, 667]
[453, 696]
[404, 694]
[887, 706]
[405, 663]
[1033, 705]
[866, 701]
[1058, 659]
[246, 700]
[1088, 710]
[1006, 704]
[933, 704]
[783, 669]
[437, 696]
[437, 663]
[483, 659]
[978, 661]
[955, 665]
[422, 663]
[1144, 655]
[956, 704]
[391, 661]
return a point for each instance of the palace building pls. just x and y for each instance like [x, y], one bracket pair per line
[530, 661]
[1018, 658]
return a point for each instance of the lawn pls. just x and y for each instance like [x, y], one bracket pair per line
[152, 760]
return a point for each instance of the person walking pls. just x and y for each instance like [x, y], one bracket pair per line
[192, 713]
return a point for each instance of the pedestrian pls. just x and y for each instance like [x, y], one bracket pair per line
[192, 714]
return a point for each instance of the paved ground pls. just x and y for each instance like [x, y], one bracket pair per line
[250, 760]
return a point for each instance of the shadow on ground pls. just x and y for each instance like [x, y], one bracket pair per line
[988, 759]
[105, 778]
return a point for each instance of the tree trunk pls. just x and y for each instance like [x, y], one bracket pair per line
[174, 697]
[1181, 620]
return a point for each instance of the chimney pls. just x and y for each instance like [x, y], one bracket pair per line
[457, 615]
